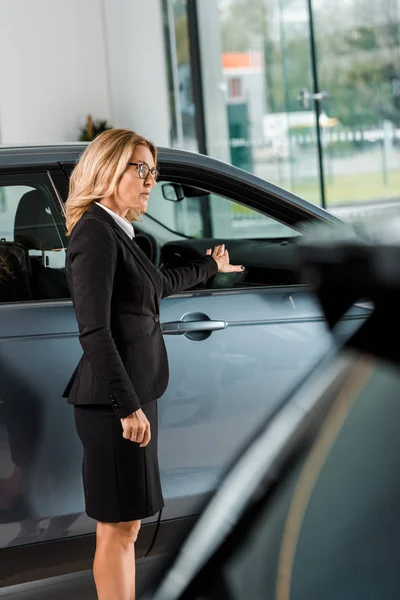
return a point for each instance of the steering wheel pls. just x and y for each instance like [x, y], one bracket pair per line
[176, 255]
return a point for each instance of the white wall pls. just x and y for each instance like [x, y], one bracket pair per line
[63, 59]
[52, 69]
[137, 67]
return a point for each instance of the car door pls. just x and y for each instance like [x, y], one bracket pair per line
[41, 495]
[236, 345]
[39, 462]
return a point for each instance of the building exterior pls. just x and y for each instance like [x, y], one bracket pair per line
[245, 84]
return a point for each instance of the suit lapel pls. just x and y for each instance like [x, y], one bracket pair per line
[137, 252]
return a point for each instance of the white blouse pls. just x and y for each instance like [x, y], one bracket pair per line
[123, 223]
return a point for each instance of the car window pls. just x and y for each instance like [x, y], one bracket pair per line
[200, 214]
[258, 242]
[32, 240]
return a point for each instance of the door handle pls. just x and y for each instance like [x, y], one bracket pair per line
[182, 327]
[305, 97]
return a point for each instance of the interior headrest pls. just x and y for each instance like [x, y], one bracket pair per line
[35, 222]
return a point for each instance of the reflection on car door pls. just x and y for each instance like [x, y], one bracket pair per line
[226, 381]
[40, 492]
[233, 353]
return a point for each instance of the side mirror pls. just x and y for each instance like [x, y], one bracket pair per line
[172, 192]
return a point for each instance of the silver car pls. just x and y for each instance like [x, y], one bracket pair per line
[255, 334]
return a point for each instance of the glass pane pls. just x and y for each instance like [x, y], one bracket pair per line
[235, 221]
[265, 65]
[11, 196]
[32, 244]
[358, 57]
[210, 215]
[183, 131]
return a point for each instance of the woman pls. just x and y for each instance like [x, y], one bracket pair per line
[116, 293]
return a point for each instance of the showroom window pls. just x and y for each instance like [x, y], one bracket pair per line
[317, 111]
[179, 71]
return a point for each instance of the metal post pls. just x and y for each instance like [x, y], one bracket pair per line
[316, 104]
[197, 79]
[385, 144]
[197, 84]
[286, 94]
[175, 75]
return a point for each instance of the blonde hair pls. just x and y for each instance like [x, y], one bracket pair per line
[99, 171]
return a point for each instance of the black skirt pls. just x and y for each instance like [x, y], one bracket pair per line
[121, 480]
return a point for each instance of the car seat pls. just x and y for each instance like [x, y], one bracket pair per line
[148, 243]
[37, 227]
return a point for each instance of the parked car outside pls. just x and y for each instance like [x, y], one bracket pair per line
[310, 508]
[255, 334]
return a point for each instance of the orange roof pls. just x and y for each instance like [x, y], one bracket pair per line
[240, 60]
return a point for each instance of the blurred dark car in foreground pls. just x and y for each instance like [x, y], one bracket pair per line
[310, 509]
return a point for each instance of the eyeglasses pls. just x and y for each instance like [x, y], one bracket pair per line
[144, 170]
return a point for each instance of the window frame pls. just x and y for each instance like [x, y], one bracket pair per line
[43, 178]
[273, 201]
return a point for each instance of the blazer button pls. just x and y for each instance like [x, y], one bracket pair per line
[156, 318]
[113, 401]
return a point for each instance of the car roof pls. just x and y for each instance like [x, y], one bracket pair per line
[45, 154]
[67, 153]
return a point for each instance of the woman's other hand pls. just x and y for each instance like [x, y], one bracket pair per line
[136, 428]
[221, 257]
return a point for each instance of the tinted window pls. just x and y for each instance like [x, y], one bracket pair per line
[200, 214]
[32, 240]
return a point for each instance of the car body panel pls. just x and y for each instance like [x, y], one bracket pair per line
[246, 371]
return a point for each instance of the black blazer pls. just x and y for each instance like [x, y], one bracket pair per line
[116, 292]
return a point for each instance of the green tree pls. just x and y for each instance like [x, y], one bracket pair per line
[358, 56]
[182, 40]
[243, 22]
